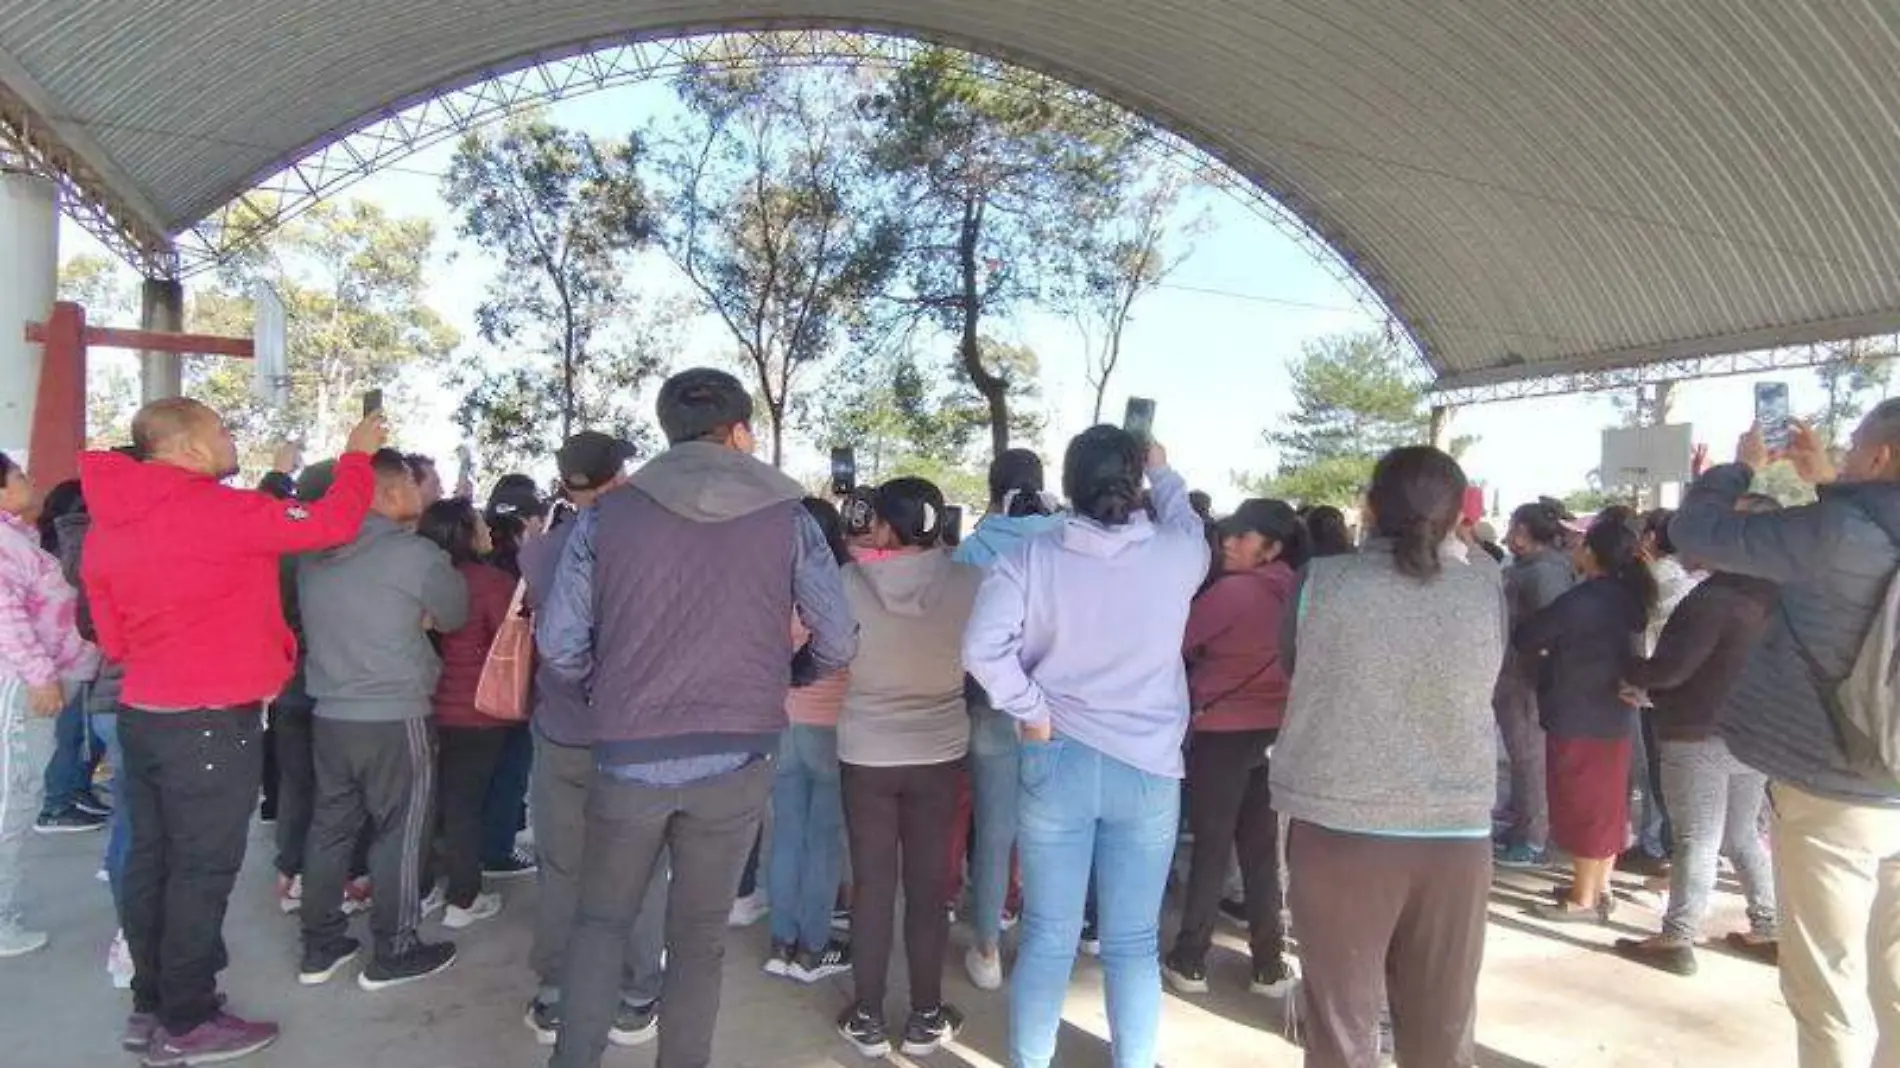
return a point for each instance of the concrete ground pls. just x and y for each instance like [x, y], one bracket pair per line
[1551, 997]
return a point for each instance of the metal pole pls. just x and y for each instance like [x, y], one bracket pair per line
[161, 308]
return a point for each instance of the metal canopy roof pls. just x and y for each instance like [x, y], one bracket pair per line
[1531, 188]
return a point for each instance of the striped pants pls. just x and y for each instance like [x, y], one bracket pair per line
[382, 775]
[26, 743]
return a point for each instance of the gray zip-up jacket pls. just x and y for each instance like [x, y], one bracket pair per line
[364, 606]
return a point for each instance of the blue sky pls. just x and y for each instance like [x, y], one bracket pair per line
[1211, 347]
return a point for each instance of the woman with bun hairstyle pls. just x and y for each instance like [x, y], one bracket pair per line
[902, 737]
[1386, 771]
[1239, 691]
[1077, 637]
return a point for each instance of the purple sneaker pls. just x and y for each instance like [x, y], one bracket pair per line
[140, 1029]
[222, 1038]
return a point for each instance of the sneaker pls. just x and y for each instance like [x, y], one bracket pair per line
[864, 1029]
[1185, 976]
[1637, 862]
[1754, 947]
[290, 893]
[119, 962]
[88, 802]
[779, 961]
[1091, 940]
[1662, 954]
[1272, 978]
[436, 901]
[810, 966]
[986, 969]
[18, 941]
[544, 1019]
[513, 866]
[1233, 911]
[1566, 912]
[634, 1025]
[748, 910]
[68, 820]
[141, 1030]
[841, 919]
[321, 962]
[927, 1031]
[1521, 856]
[484, 907]
[419, 961]
[356, 896]
[222, 1038]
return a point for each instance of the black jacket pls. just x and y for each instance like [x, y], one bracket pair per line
[1701, 653]
[1587, 640]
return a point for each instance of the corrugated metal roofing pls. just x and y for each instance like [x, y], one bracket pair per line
[1530, 186]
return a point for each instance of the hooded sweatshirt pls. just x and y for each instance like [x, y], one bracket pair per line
[999, 535]
[1233, 650]
[905, 704]
[366, 610]
[1083, 629]
[39, 641]
[181, 576]
[670, 604]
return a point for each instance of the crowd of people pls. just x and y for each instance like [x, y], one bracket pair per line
[1019, 728]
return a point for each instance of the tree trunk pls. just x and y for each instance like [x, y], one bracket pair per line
[778, 435]
[994, 389]
[567, 385]
[1101, 390]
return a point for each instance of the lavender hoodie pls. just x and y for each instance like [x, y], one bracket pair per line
[1083, 628]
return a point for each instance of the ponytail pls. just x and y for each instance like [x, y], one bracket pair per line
[1417, 493]
[1616, 545]
[1102, 474]
[914, 510]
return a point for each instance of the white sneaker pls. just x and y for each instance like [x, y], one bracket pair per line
[18, 941]
[484, 907]
[747, 911]
[437, 900]
[985, 971]
[119, 962]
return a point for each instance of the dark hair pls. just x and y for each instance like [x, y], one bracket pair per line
[832, 523]
[1542, 522]
[419, 463]
[62, 500]
[1283, 525]
[913, 509]
[1416, 497]
[450, 523]
[1101, 474]
[1615, 543]
[1656, 525]
[388, 463]
[1019, 470]
[1327, 533]
[702, 404]
[8, 465]
[506, 532]
[1202, 504]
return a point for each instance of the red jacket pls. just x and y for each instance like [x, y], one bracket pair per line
[1235, 677]
[181, 572]
[465, 650]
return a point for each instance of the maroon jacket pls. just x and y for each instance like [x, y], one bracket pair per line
[1235, 678]
[464, 651]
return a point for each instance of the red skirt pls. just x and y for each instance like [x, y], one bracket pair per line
[1589, 794]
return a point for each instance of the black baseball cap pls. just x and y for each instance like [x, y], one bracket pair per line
[591, 459]
[516, 495]
[1260, 516]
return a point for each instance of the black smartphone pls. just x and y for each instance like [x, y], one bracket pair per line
[952, 525]
[844, 471]
[372, 402]
[1771, 414]
[1139, 419]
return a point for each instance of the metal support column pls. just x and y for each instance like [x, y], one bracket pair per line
[162, 310]
[1442, 416]
[29, 277]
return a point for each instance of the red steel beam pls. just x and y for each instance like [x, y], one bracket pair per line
[156, 341]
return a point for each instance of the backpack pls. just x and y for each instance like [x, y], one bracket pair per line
[1865, 706]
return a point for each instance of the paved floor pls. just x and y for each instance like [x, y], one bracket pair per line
[1551, 997]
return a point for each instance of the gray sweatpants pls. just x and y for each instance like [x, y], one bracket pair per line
[1714, 803]
[1515, 705]
[382, 774]
[26, 744]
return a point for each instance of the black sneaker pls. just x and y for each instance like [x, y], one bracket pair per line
[1272, 978]
[68, 820]
[865, 1031]
[513, 866]
[928, 1031]
[419, 961]
[634, 1025]
[321, 962]
[1234, 911]
[544, 1019]
[1184, 975]
[88, 802]
[810, 967]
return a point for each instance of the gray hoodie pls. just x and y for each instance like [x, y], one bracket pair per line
[906, 704]
[363, 607]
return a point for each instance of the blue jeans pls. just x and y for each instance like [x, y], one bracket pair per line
[505, 809]
[118, 829]
[995, 766]
[807, 842]
[1081, 807]
[70, 769]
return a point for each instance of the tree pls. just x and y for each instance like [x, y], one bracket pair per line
[1355, 398]
[105, 288]
[351, 278]
[997, 183]
[561, 212]
[773, 221]
[1849, 371]
[1114, 269]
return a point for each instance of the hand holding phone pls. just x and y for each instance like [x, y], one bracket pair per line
[1139, 418]
[372, 402]
[1771, 415]
[844, 471]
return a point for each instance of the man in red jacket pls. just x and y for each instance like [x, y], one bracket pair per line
[182, 575]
